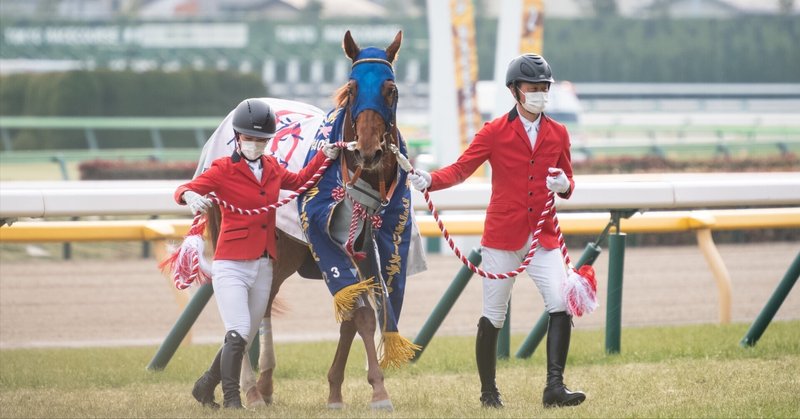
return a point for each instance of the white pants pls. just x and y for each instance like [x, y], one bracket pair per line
[547, 269]
[242, 289]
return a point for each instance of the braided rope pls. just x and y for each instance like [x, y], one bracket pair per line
[580, 286]
[359, 213]
[549, 209]
[262, 210]
[185, 262]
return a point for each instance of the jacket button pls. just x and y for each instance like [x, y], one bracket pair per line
[531, 161]
[530, 209]
[530, 193]
[530, 177]
[264, 226]
[262, 193]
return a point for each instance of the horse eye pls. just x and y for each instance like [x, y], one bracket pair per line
[390, 93]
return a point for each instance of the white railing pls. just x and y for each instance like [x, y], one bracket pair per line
[601, 192]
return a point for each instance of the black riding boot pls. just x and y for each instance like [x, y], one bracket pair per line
[230, 368]
[556, 394]
[204, 387]
[486, 355]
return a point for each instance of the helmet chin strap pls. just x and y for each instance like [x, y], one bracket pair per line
[250, 160]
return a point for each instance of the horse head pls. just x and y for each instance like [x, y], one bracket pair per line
[370, 101]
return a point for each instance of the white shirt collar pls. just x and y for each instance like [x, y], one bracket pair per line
[256, 168]
[531, 125]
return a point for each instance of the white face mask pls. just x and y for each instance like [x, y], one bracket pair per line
[252, 150]
[535, 102]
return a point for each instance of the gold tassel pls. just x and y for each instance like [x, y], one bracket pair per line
[345, 298]
[396, 350]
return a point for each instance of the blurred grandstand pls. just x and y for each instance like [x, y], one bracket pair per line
[294, 47]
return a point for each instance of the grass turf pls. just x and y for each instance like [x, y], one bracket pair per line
[686, 371]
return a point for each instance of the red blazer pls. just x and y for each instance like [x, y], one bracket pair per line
[519, 191]
[247, 237]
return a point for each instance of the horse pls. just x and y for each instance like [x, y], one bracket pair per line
[358, 214]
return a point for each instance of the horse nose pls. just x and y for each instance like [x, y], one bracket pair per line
[376, 158]
[369, 159]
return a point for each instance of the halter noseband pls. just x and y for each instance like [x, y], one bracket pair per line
[372, 60]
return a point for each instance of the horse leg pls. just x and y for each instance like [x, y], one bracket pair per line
[347, 331]
[292, 255]
[248, 383]
[364, 318]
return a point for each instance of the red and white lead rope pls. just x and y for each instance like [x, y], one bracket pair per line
[359, 213]
[186, 262]
[505, 275]
[580, 289]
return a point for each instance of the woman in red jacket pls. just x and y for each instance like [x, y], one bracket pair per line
[242, 268]
[529, 154]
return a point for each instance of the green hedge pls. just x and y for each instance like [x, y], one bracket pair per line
[123, 170]
[112, 93]
[752, 49]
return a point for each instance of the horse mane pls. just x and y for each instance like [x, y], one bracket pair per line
[340, 95]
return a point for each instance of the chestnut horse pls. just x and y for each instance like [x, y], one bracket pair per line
[358, 226]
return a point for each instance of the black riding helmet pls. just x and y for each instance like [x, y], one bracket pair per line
[254, 118]
[531, 68]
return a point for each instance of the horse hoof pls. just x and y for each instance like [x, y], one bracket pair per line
[254, 399]
[264, 386]
[385, 405]
[336, 406]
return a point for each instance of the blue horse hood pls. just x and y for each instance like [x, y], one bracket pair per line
[370, 70]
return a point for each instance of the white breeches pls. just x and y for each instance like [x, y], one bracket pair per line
[242, 288]
[547, 269]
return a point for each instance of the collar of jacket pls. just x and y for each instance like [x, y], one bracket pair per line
[513, 114]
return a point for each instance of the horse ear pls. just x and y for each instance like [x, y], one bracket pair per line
[391, 50]
[350, 47]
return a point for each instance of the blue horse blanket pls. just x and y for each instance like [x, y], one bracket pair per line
[345, 277]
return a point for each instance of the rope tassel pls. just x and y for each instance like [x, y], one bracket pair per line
[396, 350]
[580, 291]
[345, 299]
[186, 263]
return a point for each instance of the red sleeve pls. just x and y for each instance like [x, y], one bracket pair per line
[207, 182]
[291, 181]
[565, 164]
[476, 154]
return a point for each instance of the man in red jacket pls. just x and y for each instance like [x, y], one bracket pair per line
[529, 154]
[242, 269]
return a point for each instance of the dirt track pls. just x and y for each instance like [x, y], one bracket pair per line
[98, 303]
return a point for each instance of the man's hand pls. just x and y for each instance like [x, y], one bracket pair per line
[420, 179]
[556, 180]
[196, 202]
[330, 151]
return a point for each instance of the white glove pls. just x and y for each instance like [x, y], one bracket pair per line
[330, 151]
[556, 180]
[196, 202]
[420, 179]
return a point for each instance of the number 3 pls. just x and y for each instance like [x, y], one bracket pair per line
[335, 271]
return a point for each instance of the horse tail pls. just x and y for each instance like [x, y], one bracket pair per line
[214, 220]
[279, 307]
